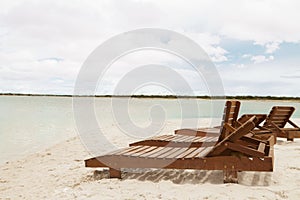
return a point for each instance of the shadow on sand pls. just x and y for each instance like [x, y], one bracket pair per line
[187, 176]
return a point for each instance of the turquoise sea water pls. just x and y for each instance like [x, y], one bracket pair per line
[29, 124]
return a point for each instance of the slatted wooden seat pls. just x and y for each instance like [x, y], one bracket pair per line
[230, 155]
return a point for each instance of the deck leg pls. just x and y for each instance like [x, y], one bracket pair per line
[290, 136]
[230, 176]
[114, 173]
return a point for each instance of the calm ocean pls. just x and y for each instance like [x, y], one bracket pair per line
[30, 124]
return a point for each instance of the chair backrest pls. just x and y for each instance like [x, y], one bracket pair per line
[235, 135]
[231, 112]
[279, 115]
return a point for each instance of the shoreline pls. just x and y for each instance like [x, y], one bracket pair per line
[237, 97]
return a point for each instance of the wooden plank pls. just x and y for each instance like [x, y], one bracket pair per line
[205, 151]
[140, 148]
[161, 137]
[177, 153]
[242, 130]
[293, 124]
[188, 151]
[212, 139]
[194, 153]
[184, 138]
[200, 139]
[207, 163]
[169, 137]
[128, 149]
[165, 154]
[190, 138]
[177, 138]
[245, 150]
[279, 117]
[218, 149]
[158, 152]
[146, 150]
[155, 150]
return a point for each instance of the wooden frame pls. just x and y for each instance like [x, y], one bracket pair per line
[230, 155]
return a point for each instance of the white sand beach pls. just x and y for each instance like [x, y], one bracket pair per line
[59, 173]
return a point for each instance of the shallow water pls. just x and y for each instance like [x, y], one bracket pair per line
[29, 124]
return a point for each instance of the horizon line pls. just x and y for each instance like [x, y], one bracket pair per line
[255, 97]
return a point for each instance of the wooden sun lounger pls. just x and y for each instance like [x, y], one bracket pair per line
[195, 138]
[206, 137]
[230, 155]
[278, 118]
[275, 124]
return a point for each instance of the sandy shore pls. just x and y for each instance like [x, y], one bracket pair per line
[59, 173]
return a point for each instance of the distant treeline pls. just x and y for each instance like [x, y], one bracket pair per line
[247, 97]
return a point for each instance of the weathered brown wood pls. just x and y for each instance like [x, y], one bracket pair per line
[246, 150]
[177, 141]
[242, 163]
[155, 151]
[198, 132]
[186, 152]
[177, 153]
[233, 137]
[231, 154]
[242, 130]
[195, 153]
[135, 151]
[114, 173]
[146, 150]
[277, 120]
[279, 111]
[166, 154]
[124, 150]
[293, 124]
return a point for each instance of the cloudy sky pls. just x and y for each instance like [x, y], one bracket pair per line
[254, 44]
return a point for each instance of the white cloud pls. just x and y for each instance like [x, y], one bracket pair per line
[210, 43]
[261, 59]
[260, 21]
[246, 56]
[32, 31]
[261, 79]
[272, 47]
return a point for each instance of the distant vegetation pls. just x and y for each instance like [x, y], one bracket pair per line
[248, 97]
